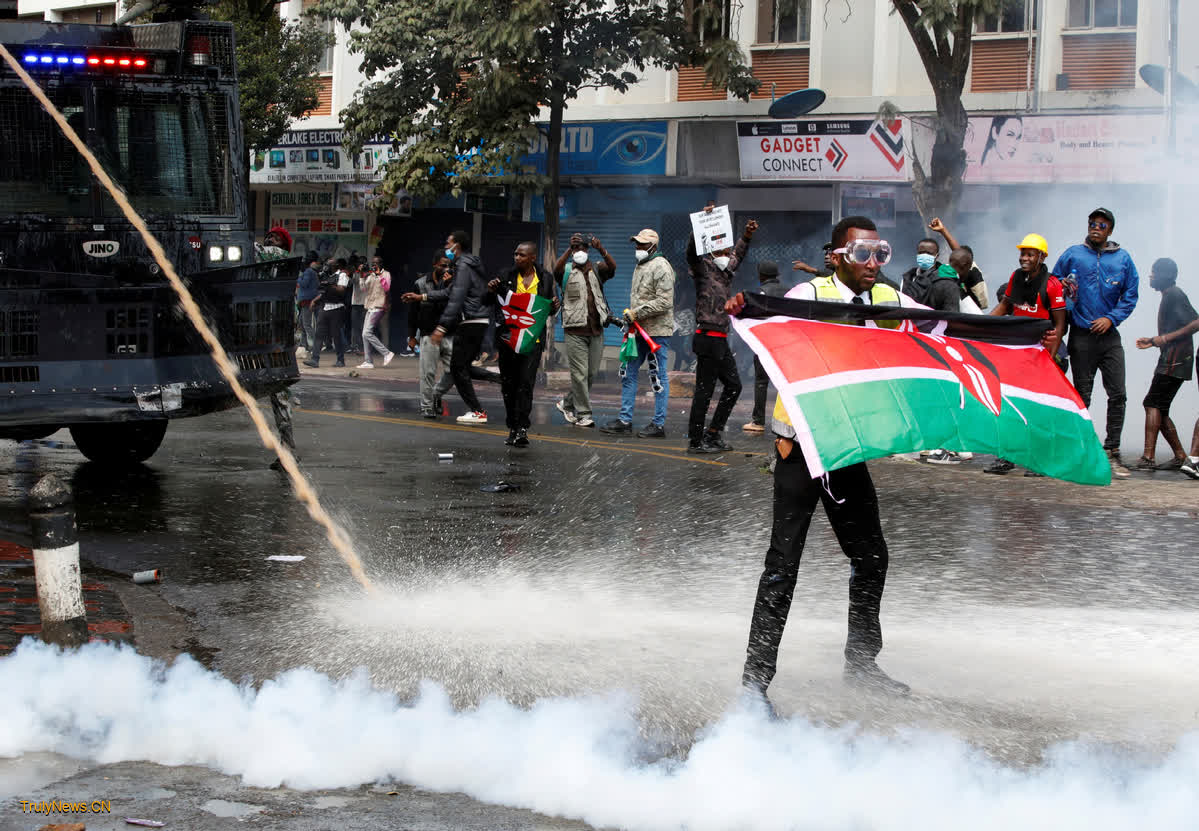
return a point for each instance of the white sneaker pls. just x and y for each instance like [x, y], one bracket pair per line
[943, 457]
[585, 421]
[472, 418]
[387, 359]
[965, 455]
[753, 427]
[567, 414]
[366, 365]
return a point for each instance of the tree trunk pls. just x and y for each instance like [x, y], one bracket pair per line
[549, 199]
[938, 189]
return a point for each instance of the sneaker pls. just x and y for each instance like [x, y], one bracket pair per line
[943, 457]
[1190, 468]
[1119, 471]
[965, 455]
[868, 675]
[340, 364]
[585, 421]
[651, 431]
[511, 440]
[1144, 463]
[408, 353]
[616, 427]
[1174, 464]
[567, 413]
[753, 427]
[716, 442]
[388, 358]
[522, 438]
[313, 364]
[366, 365]
[999, 467]
[478, 417]
[695, 448]
[428, 414]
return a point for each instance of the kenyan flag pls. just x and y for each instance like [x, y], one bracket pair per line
[855, 393]
[525, 316]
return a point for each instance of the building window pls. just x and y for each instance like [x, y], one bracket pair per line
[710, 19]
[1013, 16]
[325, 67]
[1101, 14]
[784, 21]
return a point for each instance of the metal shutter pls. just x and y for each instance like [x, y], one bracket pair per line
[787, 69]
[613, 230]
[1100, 61]
[1000, 65]
[693, 86]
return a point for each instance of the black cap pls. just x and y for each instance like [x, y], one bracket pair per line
[1105, 213]
[768, 268]
[828, 246]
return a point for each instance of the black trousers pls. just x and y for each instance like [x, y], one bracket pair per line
[1104, 353]
[855, 522]
[468, 340]
[761, 388]
[518, 374]
[714, 362]
[331, 325]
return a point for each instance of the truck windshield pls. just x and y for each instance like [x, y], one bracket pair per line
[168, 150]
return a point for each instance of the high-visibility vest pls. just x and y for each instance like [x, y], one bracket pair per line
[880, 295]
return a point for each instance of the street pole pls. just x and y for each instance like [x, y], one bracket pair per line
[1171, 121]
[56, 563]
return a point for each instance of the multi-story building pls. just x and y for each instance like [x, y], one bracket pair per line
[1060, 117]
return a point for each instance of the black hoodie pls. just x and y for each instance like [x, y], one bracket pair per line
[468, 294]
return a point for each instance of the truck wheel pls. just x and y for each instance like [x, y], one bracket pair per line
[126, 442]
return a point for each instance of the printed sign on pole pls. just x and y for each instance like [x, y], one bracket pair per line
[713, 230]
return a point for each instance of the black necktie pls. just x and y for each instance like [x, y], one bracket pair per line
[859, 302]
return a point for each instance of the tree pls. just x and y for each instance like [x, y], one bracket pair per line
[459, 85]
[942, 31]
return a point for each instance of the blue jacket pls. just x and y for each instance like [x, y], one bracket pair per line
[307, 285]
[1107, 282]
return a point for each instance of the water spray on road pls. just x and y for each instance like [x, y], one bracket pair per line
[579, 757]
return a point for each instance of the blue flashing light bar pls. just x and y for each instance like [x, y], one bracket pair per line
[94, 61]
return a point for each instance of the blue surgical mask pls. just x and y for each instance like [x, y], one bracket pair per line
[449, 254]
[925, 261]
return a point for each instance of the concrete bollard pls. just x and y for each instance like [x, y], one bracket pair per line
[56, 563]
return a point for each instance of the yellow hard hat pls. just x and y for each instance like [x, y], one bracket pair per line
[1035, 241]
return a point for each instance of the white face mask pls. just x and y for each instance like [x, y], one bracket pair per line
[641, 255]
[721, 262]
[579, 257]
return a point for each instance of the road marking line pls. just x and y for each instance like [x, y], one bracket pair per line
[412, 422]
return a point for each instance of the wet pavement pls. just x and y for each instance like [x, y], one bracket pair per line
[1023, 611]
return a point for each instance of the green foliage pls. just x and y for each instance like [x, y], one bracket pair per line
[276, 66]
[461, 84]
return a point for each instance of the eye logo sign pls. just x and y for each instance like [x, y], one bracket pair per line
[101, 248]
[635, 148]
[836, 155]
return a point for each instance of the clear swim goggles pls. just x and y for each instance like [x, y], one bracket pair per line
[861, 250]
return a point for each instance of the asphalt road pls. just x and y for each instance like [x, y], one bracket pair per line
[1024, 612]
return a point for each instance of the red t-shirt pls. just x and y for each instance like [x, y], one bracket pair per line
[1057, 300]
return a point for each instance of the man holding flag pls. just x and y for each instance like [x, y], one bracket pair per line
[525, 295]
[848, 493]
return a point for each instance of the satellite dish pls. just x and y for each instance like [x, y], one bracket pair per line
[1155, 76]
[800, 102]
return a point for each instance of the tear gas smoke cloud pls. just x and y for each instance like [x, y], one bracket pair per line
[572, 757]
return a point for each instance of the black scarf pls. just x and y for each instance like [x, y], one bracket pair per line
[1028, 289]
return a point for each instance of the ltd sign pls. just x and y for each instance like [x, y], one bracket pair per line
[101, 248]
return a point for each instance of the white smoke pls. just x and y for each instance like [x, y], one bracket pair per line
[579, 757]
